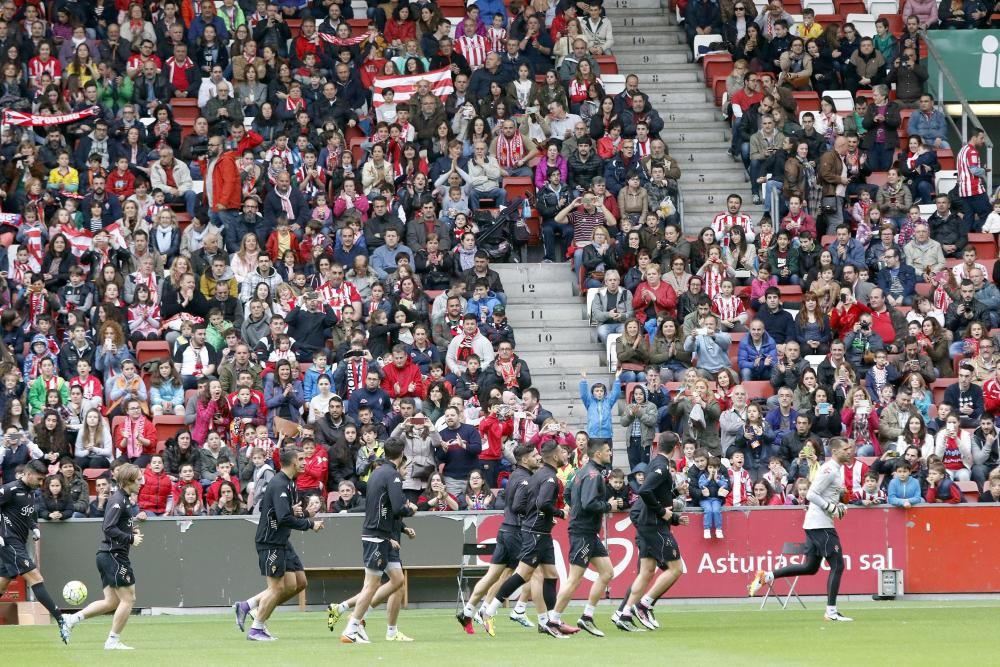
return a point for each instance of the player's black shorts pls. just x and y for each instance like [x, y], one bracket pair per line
[15, 559]
[537, 549]
[115, 570]
[658, 544]
[508, 549]
[376, 556]
[823, 543]
[582, 548]
[276, 561]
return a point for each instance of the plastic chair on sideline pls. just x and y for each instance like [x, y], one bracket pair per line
[789, 549]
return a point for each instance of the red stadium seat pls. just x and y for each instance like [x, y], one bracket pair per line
[519, 186]
[359, 152]
[938, 387]
[806, 100]
[985, 245]
[167, 426]
[895, 22]
[716, 64]
[607, 64]
[790, 293]
[758, 389]
[147, 350]
[358, 26]
[294, 27]
[946, 158]
[970, 491]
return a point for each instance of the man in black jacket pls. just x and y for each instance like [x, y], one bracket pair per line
[278, 561]
[652, 514]
[589, 502]
[385, 508]
[540, 504]
[310, 327]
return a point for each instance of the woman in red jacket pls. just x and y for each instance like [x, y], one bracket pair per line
[653, 298]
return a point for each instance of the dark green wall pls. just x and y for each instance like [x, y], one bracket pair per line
[211, 561]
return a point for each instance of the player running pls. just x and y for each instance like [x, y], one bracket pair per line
[278, 561]
[508, 545]
[652, 514]
[541, 503]
[821, 537]
[384, 510]
[117, 577]
[588, 505]
[17, 521]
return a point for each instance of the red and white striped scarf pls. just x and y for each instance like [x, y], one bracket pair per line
[509, 151]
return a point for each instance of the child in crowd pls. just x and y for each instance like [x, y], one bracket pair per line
[600, 404]
[740, 483]
[940, 487]
[776, 475]
[713, 486]
[616, 488]
[870, 494]
[904, 491]
[991, 494]
[262, 474]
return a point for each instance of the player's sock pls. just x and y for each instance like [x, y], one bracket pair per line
[509, 587]
[543, 619]
[588, 611]
[520, 607]
[469, 611]
[257, 624]
[647, 602]
[492, 607]
[390, 632]
[769, 578]
[352, 626]
[549, 592]
[42, 595]
[555, 617]
[254, 601]
[831, 610]
[76, 619]
[113, 636]
[343, 607]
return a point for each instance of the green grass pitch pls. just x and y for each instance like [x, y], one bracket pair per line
[913, 632]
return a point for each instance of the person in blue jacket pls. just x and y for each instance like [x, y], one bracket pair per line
[600, 404]
[846, 250]
[757, 353]
[904, 491]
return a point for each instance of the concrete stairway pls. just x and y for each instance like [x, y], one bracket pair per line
[648, 45]
[555, 338]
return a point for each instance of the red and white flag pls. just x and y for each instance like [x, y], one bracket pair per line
[79, 239]
[405, 86]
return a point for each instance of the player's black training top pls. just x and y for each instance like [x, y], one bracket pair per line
[117, 526]
[517, 484]
[541, 502]
[276, 516]
[17, 511]
[655, 495]
[385, 503]
[589, 500]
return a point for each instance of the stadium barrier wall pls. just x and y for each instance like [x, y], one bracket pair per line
[211, 561]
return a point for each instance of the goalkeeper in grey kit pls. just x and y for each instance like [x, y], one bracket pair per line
[821, 537]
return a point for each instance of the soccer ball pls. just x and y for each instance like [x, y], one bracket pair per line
[75, 593]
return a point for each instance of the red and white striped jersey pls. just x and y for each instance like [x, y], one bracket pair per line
[643, 148]
[723, 222]
[728, 307]
[969, 185]
[36, 68]
[713, 281]
[474, 49]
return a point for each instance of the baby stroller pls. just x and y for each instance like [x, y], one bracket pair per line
[503, 232]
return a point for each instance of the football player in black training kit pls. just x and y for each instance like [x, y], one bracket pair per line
[588, 504]
[279, 515]
[540, 504]
[508, 545]
[385, 507]
[652, 514]
[117, 577]
[17, 522]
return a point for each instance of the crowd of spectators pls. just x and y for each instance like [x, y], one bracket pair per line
[303, 257]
